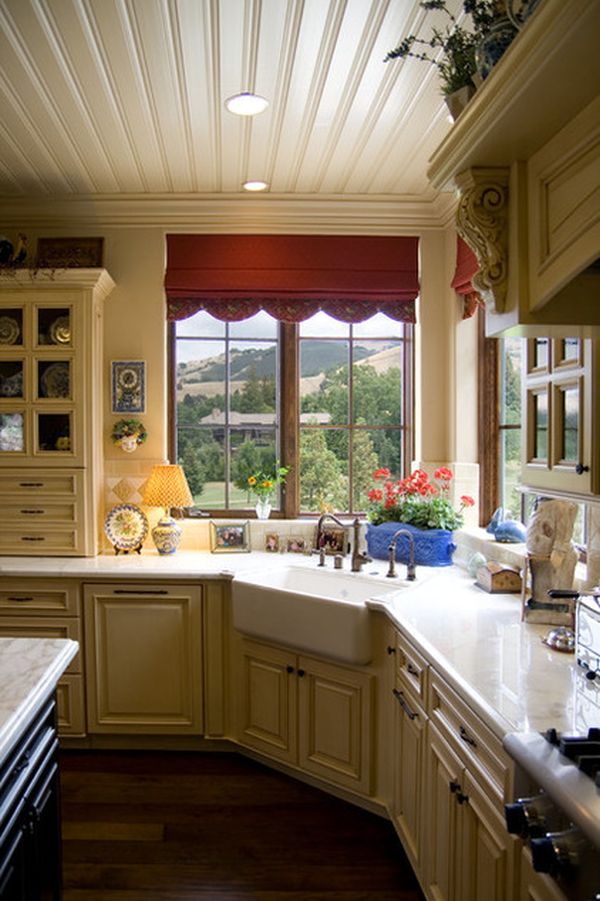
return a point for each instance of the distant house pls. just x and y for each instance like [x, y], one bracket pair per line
[252, 423]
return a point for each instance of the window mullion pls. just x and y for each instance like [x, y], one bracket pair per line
[290, 417]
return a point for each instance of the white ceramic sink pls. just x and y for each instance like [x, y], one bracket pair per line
[315, 611]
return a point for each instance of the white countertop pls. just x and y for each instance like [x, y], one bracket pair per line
[475, 639]
[29, 671]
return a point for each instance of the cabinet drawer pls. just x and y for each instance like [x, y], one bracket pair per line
[411, 670]
[44, 627]
[70, 705]
[22, 513]
[479, 748]
[39, 541]
[34, 597]
[36, 483]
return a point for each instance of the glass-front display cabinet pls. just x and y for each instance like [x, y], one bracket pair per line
[50, 379]
[561, 445]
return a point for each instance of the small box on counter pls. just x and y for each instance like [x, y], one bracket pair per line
[496, 578]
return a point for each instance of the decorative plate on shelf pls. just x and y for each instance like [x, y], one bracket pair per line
[126, 526]
[9, 330]
[60, 331]
[55, 380]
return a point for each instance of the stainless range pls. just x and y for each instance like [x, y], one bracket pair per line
[557, 810]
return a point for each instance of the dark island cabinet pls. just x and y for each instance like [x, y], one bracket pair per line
[30, 847]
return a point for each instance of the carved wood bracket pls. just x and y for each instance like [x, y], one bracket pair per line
[482, 221]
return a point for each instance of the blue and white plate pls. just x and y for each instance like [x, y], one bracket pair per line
[126, 527]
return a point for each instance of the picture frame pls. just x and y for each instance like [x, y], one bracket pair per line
[272, 542]
[230, 537]
[70, 253]
[296, 544]
[334, 540]
[128, 386]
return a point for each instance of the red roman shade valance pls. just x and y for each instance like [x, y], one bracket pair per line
[466, 267]
[291, 276]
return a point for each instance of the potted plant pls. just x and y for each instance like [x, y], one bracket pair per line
[421, 506]
[456, 50]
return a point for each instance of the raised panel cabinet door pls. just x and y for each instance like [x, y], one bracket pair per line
[488, 858]
[144, 658]
[443, 774]
[409, 764]
[335, 728]
[269, 701]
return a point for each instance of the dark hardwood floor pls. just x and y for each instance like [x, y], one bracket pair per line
[181, 826]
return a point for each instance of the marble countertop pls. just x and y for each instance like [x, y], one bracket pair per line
[475, 639]
[29, 671]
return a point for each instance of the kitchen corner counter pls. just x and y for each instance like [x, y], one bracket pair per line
[29, 671]
[478, 642]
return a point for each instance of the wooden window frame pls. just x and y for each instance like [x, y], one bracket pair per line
[289, 415]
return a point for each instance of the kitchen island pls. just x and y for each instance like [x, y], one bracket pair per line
[30, 852]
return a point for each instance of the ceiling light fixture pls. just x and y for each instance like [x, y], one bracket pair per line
[246, 104]
[255, 185]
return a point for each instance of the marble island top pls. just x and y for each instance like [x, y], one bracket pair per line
[29, 671]
[475, 639]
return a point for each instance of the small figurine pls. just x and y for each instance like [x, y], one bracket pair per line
[506, 531]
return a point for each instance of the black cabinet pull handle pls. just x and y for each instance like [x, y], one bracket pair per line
[454, 786]
[403, 703]
[301, 673]
[467, 738]
[390, 649]
[32, 538]
[31, 484]
[32, 512]
[461, 798]
[289, 668]
[20, 599]
[412, 669]
[140, 591]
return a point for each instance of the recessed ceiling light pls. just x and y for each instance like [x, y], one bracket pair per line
[255, 185]
[246, 104]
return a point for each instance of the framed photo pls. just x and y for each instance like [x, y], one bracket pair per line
[128, 386]
[296, 545]
[272, 542]
[229, 537]
[70, 253]
[334, 540]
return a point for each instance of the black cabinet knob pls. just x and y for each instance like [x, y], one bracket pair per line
[580, 469]
[301, 673]
[289, 668]
[390, 649]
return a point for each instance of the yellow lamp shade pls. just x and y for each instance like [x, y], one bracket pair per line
[167, 487]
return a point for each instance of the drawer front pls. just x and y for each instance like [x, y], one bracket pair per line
[70, 705]
[16, 483]
[28, 596]
[44, 627]
[41, 511]
[411, 670]
[40, 541]
[477, 745]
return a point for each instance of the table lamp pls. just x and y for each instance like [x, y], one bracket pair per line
[167, 487]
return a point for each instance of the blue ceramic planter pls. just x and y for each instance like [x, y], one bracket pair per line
[433, 547]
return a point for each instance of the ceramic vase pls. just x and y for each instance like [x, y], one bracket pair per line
[433, 547]
[263, 507]
[493, 45]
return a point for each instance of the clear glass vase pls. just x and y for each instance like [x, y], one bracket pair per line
[263, 507]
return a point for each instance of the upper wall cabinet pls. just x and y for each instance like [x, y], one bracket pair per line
[524, 157]
[51, 410]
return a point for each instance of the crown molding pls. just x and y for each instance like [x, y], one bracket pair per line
[214, 213]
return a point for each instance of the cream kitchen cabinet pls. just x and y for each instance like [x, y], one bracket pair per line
[308, 713]
[51, 411]
[49, 608]
[469, 852]
[409, 745]
[561, 446]
[144, 658]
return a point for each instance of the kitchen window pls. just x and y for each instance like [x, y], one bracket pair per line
[332, 401]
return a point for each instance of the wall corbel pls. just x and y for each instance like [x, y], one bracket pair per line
[482, 221]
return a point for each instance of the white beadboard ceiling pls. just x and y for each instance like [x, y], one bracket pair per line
[104, 98]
